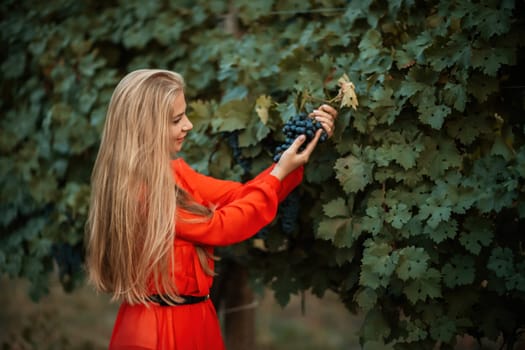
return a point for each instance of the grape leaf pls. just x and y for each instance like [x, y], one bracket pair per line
[416, 331]
[337, 230]
[490, 59]
[283, 286]
[200, 114]
[502, 148]
[347, 93]
[435, 212]
[398, 215]
[469, 127]
[417, 46]
[459, 271]
[375, 326]
[262, 105]
[353, 173]
[438, 156]
[444, 230]
[482, 86]
[413, 263]
[479, 233]
[433, 115]
[366, 298]
[336, 207]
[232, 115]
[377, 264]
[443, 329]
[373, 221]
[455, 95]
[501, 261]
[428, 286]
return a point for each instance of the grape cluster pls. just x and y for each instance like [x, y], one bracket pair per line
[233, 142]
[300, 124]
[69, 259]
[289, 212]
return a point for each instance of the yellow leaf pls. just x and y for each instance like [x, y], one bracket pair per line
[347, 93]
[262, 105]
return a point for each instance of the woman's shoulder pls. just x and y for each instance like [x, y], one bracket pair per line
[179, 165]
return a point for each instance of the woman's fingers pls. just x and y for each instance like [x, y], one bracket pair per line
[296, 144]
[329, 109]
[311, 145]
[326, 115]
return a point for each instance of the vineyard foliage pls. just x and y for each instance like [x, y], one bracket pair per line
[413, 213]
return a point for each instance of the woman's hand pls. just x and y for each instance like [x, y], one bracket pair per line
[326, 115]
[291, 159]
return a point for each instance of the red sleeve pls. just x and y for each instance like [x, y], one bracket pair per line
[210, 189]
[254, 208]
[221, 192]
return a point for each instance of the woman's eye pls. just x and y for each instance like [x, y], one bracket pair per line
[176, 120]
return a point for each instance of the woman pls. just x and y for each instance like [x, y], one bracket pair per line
[153, 220]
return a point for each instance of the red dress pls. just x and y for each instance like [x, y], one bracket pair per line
[241, 211]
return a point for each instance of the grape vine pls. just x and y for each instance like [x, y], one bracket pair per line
[410, 201]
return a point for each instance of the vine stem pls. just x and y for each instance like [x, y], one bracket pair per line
[308, 97]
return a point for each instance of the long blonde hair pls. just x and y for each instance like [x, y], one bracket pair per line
[131, 223]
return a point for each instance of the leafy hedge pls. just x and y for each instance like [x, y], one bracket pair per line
[413, 213]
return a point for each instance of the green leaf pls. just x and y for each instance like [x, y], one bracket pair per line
[413, 263]
[433, 115]
[482, 86]
[283, 287]
[443, 329]
[459, 271]
[373, 221]
[366, 298]
[416, 331]
[345, 255]
[501, 261]
[375, 326]
[339, 231]
[479, 233]
[398, 215]
[502, 148]
[200, 113]
[336, 207]
[377, 264]
[491, 59]
[232, 115]
[416, 47]
[253, 134]
[435, 213]
[370, 45]
[468, 128]
[353, 173]
[444, 230]
[438, 156]
[455, 95]
[421, 289]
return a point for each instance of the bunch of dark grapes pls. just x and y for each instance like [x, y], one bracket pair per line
[300, 124]
[289, 211]
[262, 233]
[69, 259]
[233, 142]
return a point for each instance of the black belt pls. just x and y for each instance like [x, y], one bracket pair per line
[188, 299]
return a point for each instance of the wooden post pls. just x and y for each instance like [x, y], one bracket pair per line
[238, 309]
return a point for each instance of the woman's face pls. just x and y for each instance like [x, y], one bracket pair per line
[180, 125]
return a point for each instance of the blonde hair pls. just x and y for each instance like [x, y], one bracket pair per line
[130, 230]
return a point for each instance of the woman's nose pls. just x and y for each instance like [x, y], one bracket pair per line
[187, 124]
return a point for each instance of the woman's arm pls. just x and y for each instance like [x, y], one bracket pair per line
[255, 207]
[221, 192]
[236, 221]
